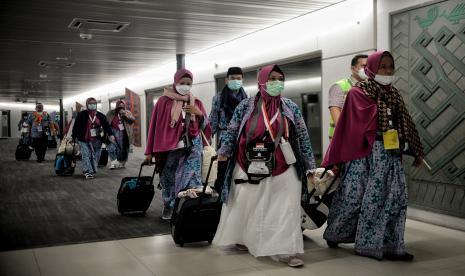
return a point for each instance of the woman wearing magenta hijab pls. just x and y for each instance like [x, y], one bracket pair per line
[174, 139]
[370, 204]
[89, 129]
[270, 157]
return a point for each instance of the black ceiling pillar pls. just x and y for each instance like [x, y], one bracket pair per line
[180, 61]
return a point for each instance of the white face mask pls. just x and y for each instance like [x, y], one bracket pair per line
[384, 80]
[183, 89]
[361, 74]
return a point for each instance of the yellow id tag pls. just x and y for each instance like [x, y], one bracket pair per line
[391, 139]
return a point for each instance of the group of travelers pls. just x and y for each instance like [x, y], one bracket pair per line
[88, 128]
[370, 132]
[265, 150]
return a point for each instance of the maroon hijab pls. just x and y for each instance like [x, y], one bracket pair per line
[272, 105]
[356, 129]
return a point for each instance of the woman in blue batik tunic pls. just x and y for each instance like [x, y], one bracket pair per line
[265, 218]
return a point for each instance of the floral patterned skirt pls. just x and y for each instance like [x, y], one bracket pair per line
[181, 171]
[370, 205]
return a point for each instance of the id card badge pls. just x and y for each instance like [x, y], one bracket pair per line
[39, 128]
[93, 132]
[121, 126]
[391, 139]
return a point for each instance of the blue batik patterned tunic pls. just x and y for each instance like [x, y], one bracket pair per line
[298, 137]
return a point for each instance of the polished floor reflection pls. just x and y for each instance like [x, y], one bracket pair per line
[438, 251]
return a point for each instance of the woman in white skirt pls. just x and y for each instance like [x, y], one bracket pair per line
[270, 162]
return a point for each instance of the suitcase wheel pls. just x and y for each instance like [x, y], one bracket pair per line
[210, 241]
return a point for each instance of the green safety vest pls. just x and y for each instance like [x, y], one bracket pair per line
[345, 86]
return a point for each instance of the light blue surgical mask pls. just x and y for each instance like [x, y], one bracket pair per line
[274, 88]
[234, 84]
[92, 106]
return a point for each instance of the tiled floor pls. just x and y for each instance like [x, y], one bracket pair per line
[438, 251]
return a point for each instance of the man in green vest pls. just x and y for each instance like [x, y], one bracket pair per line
[339, 90]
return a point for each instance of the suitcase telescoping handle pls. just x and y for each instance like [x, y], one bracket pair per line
[140, 172]
[208, 173]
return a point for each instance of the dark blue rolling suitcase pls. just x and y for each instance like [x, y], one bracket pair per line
[64, 164]
[135, 193]
[196, 219]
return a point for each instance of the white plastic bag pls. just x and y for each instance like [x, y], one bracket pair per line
[322, 184]
[207, 154]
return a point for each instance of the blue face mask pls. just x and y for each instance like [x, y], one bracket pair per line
[92, 107]
[274, 88]
[234, 84]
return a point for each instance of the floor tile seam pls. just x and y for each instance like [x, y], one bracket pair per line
[137, 258]
[36, 261]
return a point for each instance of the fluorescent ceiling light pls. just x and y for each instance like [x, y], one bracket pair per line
[29, 106]
[276, 42]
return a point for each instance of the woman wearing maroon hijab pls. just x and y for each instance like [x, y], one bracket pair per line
[178, 161]
[374, 130]
[262, 214]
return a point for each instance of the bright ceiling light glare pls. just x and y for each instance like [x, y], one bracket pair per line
[308, 29]
[28, 106]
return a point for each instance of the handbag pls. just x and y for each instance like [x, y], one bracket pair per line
[207, 153]
[68, 147]
[185, 142]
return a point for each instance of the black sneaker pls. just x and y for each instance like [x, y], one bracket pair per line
[332, 244]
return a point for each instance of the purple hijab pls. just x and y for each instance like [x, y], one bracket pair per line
[272, 105]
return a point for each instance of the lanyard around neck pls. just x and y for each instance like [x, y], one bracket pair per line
[92, 120]
[269, 123]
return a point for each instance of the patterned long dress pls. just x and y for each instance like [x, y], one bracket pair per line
[370, 205]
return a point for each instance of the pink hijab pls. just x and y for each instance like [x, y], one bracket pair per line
[178, 99]
[166, 127]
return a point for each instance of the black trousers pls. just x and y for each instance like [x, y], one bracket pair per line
[40, 147]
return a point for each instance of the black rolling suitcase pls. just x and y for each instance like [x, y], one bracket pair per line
[316, 208]
[196, 219]
[103, 160]
[23, 152]
[135, 193]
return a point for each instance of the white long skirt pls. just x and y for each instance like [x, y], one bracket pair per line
[265, 217]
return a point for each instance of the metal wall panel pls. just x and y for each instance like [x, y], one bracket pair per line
[428, 44]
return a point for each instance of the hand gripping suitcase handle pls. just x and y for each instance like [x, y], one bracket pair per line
[140, 172]
[208, 173]
[327, 189]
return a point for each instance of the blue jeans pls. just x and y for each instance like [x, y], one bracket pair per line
[90, 155]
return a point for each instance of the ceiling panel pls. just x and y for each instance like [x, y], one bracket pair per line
[34, 31]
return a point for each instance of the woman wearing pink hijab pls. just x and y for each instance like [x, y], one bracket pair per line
[270, 157]
[174, 139]
[373, 131]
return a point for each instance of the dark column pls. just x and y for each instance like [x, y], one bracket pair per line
[180, 64]
[62, 119]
